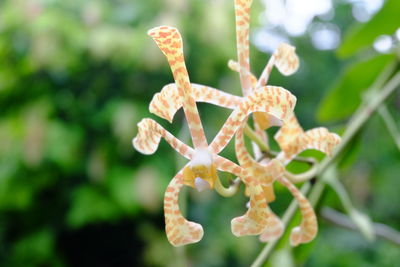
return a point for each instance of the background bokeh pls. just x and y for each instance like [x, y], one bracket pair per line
[76, 77]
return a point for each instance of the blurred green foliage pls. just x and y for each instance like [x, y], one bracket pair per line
[76, 77]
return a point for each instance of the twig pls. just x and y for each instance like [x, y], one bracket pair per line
[359, 119]
[344, 221]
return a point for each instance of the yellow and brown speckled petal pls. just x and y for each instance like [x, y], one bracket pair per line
[308, 228]
[242, 16]
[258, 216]
[179, 230]
[169, 41]
[167, 102]
[275, 101]
[318, 138]
[149, 136]
[289, 131]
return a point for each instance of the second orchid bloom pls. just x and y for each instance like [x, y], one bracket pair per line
[270, 105]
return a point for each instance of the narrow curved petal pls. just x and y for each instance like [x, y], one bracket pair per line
[247, 162]
[242, 16]
[258, 216]
[167, 102]
[262, 120]
[233, 65]
[149, 136]
[179, 230]
[264, 77]
[273, 231]
[308, 228]
[290, 130]
[169, 41]
[286, 59]
[318, 138]
[275, 101]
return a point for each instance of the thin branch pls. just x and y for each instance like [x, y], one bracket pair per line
[362, 221]
[361, 116]
[380, 230]
[390, 124]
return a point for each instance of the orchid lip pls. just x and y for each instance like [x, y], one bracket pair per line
[201, 184]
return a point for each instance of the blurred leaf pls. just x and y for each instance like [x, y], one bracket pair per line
[16, 193]
[351, 152]
[344, 96]
[36, 249]
[91, 205]
[386, 21]
[64, 144]
[122, 190]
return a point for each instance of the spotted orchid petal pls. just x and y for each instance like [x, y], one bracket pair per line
[275, 226]
[287, 62]
[247, 162]
[242, 16]
[149, 136]
[289, 131]
[169, 41]
[263, 120]
[259, 215]
[233, 65]
[167, 102]
[273, 100]
[285, 59]
[308, 228]
[318, 138]
[179, 230]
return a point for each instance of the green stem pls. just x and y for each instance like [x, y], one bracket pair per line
[390, 124]
[356, 123]
[255, 138]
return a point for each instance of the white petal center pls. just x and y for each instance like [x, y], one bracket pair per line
[201, 157]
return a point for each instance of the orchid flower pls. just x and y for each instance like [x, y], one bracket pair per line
[291, 136]
[204, 161]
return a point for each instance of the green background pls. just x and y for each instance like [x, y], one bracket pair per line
[77, 76]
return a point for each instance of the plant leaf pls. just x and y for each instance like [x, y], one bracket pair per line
[386, 21]
[344, 96]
